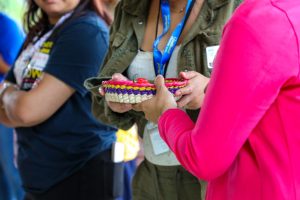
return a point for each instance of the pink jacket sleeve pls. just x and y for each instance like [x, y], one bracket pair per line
[251, 67]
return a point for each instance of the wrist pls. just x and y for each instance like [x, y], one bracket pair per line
[167, 107]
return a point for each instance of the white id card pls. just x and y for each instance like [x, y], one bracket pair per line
[211, 53]
[39, 61]
[117, 153]
[159, 146]
[22, 63]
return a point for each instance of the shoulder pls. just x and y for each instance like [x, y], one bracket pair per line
[132, 5]
[127, 12]
[5, 20]
[10, 31]
[92, 19]
[134, 8]
[88, 27]
[261, 16]
[89, 22]
[268, 27]
[7, 23]
[259, 11]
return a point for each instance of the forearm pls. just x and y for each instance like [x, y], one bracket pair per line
[5, 120]
[11, 114]
[23, 108]
[10, 104]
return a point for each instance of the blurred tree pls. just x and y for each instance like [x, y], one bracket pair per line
[14, 8]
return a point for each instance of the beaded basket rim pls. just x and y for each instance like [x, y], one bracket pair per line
[137, 91]
[169, 82]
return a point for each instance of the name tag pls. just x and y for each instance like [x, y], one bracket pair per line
[211, 53]
[22, 63]
[159, 146]
[39, 61]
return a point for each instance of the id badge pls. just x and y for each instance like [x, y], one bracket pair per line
[39, 61]
[211, 53]
[158, 145]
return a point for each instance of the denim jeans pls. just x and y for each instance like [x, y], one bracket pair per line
[129, 170]
[10, 182]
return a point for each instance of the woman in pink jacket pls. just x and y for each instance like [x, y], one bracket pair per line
[246, 141]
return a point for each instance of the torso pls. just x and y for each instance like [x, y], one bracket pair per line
[70, 139]
[155, 149]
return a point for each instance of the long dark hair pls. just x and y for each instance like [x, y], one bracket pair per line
[36, 21]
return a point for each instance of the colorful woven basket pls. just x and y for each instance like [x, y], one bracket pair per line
[136, 91]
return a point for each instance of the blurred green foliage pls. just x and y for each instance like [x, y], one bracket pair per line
[14, 8]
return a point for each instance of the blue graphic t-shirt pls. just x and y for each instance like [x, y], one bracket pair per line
[56, 148]
[11, 39]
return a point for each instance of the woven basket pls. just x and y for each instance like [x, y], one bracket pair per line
[136, 91]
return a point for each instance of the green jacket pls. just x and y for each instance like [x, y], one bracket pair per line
[126, 37]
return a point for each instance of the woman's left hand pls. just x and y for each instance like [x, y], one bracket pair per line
[162, 101]
[192, 95]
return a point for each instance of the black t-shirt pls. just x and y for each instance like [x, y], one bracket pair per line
[56, 148]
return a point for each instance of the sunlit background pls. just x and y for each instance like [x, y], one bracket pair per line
[14, 8]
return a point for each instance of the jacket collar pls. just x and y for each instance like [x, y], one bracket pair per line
[138, 7]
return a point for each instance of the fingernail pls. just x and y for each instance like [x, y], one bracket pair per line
[101, 90]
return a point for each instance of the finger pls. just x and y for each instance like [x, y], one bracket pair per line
[119, 77]
[125, 107]
[188, 75]
[137, 107]
[184, 101]
[119, 107]
[101, 91]
[160, 84]
[184, 91]
[178, 93]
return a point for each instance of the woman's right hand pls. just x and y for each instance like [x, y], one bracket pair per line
[192, 95]
[117, 107]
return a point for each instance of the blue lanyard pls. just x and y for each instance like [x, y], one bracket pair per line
[160, 59]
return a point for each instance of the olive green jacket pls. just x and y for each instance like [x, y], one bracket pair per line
[126, 37]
